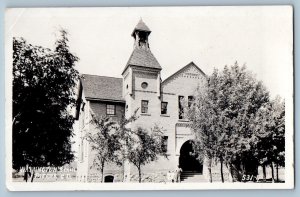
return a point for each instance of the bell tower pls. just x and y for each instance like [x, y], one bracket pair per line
[140, 34]
[141, 84]
[142, 66]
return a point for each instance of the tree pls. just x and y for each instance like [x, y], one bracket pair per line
[43, 93]
[104, 141]
[118, 142]
[278, 133]
[262, 126]
[203, 115]
[269, 127]
[110, 140]
[145, 147]
[222, 115]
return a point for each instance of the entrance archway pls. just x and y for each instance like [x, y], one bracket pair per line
[187, 158]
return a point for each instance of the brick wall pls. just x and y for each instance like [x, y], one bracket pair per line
[183, 84]
[99, 108]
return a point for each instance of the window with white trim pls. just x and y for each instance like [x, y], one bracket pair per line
[144, 106]
[110, 109]
[180, 107]
[165, 144]
[164, 107]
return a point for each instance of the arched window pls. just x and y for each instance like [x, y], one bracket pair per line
[109, 179]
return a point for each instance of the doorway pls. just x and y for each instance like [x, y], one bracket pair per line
[188, 160]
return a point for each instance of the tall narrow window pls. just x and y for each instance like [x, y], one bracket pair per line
[164, 107]
[110, 110]
[81, 150]
[190, 100]
[165, 144]
[144, 107]
[180, 107]
[82, 113]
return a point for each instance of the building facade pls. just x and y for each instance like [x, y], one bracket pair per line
[159, 103]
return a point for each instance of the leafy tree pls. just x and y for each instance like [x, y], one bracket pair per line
[145, 147]
[110, 140]
[222, 115]
[117, 142]
[203, 115]
[124, 132]
[263, 134]
[43, 93]
[278, 133]
[269, 127]
[104, 141]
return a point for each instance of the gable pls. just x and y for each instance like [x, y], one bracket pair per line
[184, 81]
[189, 77]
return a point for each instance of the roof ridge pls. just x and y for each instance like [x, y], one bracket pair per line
[101, 76]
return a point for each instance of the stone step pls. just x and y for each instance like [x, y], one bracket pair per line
[183, 174]
[189, 176]
[194, 179]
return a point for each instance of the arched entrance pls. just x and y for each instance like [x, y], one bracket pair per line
[187, 159]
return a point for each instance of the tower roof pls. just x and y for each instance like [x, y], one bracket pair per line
[141, 26]
[142, 58]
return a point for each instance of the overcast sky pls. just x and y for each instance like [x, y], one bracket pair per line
[211, 37]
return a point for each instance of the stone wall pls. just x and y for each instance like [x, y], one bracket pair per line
[158, 177]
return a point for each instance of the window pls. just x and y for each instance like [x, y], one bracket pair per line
[82, 118]
[109, 179]
[144, 85]
[190, 100]
[180, 107]
[81, 150]
[110, 110]
[164, 107]
[83, 115]
[165, 144]
[144, 106]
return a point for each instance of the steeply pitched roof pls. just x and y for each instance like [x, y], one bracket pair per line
[143, 58]
[141, 26]
[181, 70]
[101, 87]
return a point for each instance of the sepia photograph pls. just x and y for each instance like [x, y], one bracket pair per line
[149, 98]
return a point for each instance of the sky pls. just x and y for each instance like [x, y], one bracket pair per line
[211, 37]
